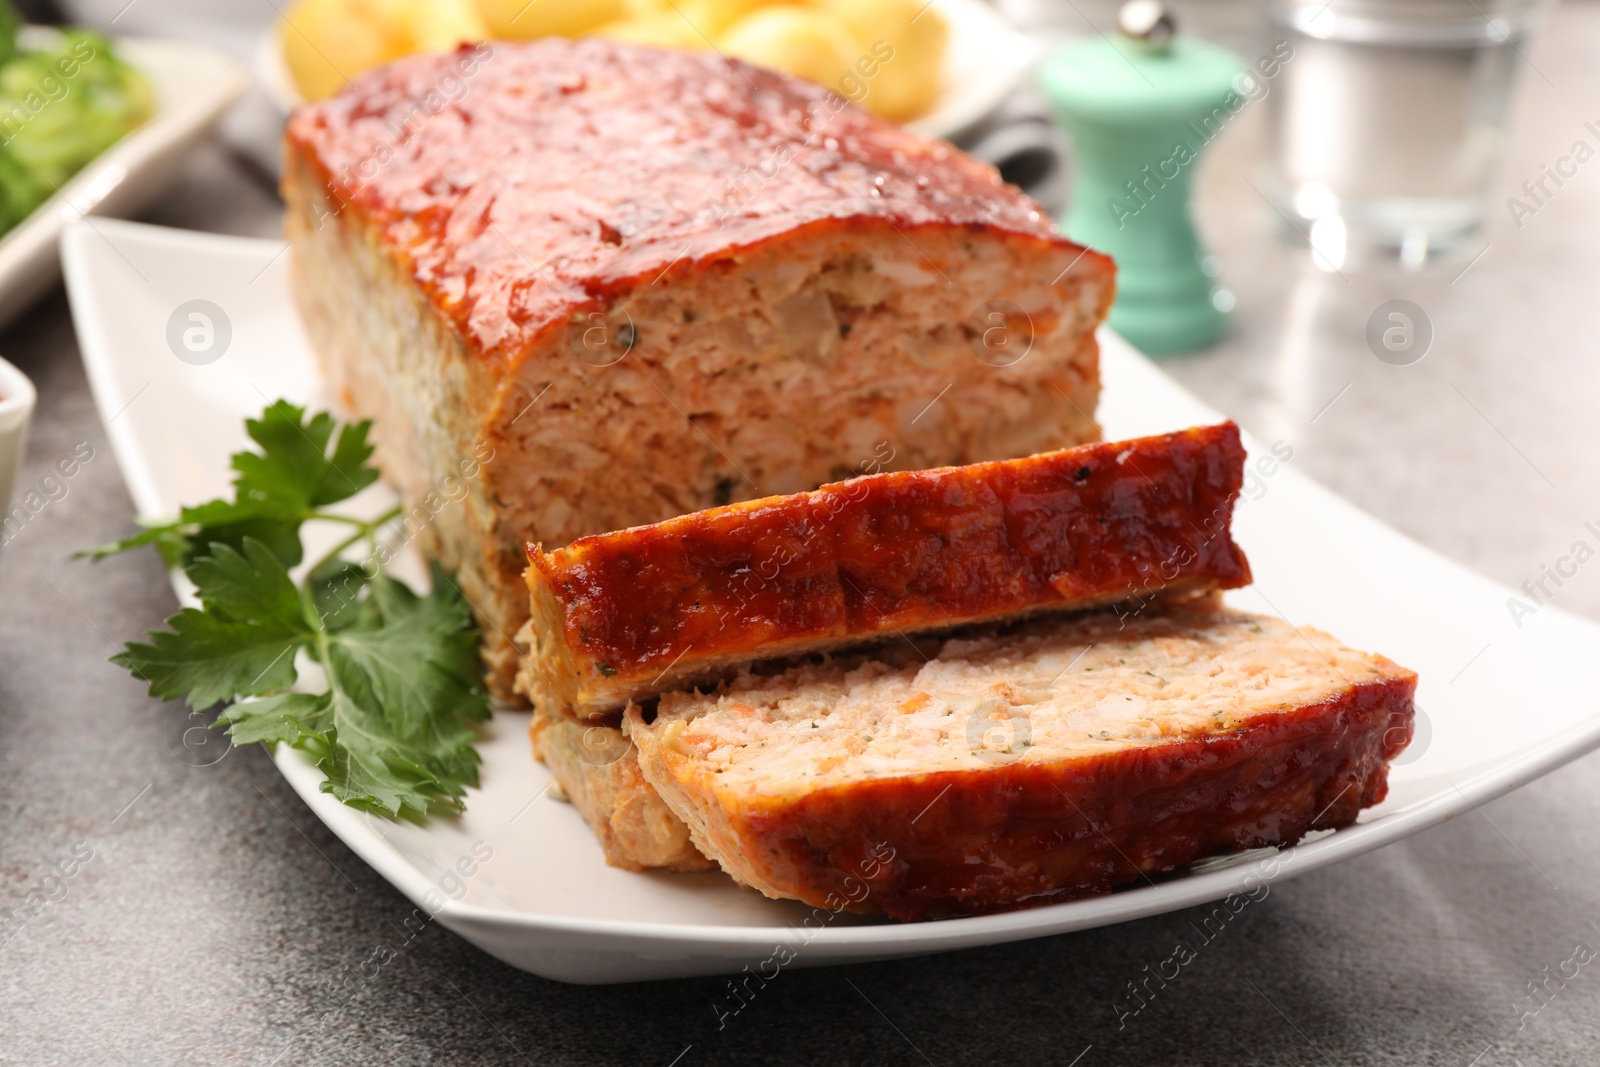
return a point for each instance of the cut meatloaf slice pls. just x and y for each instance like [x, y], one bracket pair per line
[597, 768]
[582, 286]
[623, 616]
[1062, 758]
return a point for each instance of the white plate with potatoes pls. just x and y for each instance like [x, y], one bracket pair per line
[953, 61]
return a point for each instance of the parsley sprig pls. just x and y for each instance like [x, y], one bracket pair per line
[392, 728]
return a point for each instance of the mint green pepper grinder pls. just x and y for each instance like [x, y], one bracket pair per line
[1141, 105]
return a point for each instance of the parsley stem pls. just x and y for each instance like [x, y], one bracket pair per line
[308, 608]
[349, 520]
[334, 552]
[364, 529]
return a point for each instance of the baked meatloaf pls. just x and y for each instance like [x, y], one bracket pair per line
[582, 286]
[1062, 758]
[622, 616]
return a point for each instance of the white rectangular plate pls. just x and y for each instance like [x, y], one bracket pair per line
[1498, 705]
[193, 86]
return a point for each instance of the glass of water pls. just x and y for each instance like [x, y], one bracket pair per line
[1390, 117]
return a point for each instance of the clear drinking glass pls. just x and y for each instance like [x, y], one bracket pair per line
[1390, 116]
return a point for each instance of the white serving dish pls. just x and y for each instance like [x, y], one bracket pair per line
[17, 401]
[1499, 705]
[193, 86]
[984, 61]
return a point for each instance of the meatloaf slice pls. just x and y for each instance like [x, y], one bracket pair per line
[623, 616]
[597, 768]
[1058, 759]
[582, 286]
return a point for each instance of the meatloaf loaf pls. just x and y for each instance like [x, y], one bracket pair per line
[582, 286]
[1059, 759]
[622, 616]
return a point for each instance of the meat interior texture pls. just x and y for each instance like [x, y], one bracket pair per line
[629, 614]
[602, 285]
[1061, 758]
[597, 770]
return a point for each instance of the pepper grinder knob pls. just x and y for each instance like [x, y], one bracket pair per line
[1140, 107]
[1147, 21]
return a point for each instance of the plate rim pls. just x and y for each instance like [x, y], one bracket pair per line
[852, 941]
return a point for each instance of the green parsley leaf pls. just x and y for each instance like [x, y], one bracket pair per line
[241, 642]
[275, 490]
[252, 587]
[336, 591]
[294, 472]
[371, 769]
[210, 660]
[422, 655]
[394, 729]
[286, 717]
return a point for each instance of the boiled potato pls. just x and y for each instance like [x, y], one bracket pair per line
[327, 42]
[661, 29]
[438, 25]
[523, 19]
[806, 42]
[714, 17]
[906, 84]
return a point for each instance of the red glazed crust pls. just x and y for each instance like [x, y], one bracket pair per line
[624, 615]
[565, 172]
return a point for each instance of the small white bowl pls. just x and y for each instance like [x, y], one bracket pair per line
[17, 399]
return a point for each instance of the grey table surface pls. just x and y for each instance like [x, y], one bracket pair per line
[217, 921]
